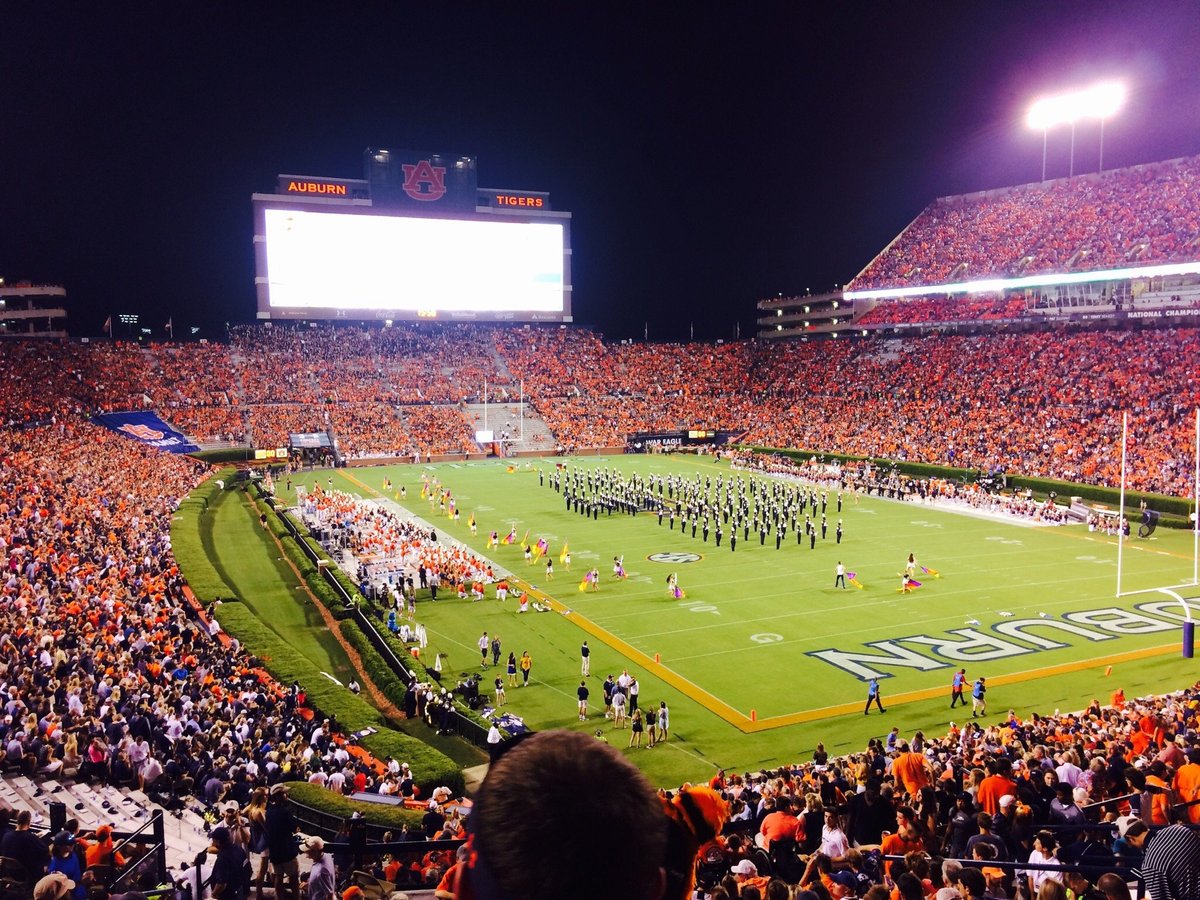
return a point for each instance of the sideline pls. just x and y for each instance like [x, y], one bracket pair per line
[378, 700]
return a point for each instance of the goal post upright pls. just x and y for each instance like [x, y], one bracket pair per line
[1121, 511]
[1194, 582]
[1196, 507]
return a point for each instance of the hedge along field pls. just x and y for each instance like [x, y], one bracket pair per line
[272, 617]
[748, 629]
[1175, 511]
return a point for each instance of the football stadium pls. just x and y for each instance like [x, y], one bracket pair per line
[894, 598]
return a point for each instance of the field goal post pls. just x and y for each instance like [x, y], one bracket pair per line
[1173, 590]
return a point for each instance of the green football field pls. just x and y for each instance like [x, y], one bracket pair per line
[763, 657]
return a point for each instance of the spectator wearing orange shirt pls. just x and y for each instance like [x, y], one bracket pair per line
[996, 785]
[781, 825]
[912, 770]
[1187, 786]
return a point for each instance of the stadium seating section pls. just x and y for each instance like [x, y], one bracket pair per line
[1038, 403]
[93, 606]
[1137, 216]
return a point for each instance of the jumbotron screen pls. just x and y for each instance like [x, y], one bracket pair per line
[327, 263]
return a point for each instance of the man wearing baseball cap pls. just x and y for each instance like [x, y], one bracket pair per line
[746, 873]
[322, 881]
[55, 886]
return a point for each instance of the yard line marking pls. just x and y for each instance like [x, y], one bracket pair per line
[932, 693]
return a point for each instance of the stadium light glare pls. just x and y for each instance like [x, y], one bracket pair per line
[1100, 101]
[1049, 279]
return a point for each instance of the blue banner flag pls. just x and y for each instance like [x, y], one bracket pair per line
[147, 428]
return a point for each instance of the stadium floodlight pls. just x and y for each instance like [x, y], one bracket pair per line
[1100, 101]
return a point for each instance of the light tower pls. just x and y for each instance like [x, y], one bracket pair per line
[1100, 101]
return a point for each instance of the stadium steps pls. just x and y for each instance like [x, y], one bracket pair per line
[127, 810]
[506, 415]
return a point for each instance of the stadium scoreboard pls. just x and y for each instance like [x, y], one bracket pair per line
[416, 238]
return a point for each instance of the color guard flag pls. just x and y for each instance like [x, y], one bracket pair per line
[928, 571]
[562, 557]
[510, 537]
[583, 585]
[525, 540]
[852, 577]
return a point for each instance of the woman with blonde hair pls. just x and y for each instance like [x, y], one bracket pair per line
[256, 815]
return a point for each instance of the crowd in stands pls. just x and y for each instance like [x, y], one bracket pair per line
[209, 423]
[944, 309]
[1076, 791]
[1137, 216]
[1034, 403]
[270, 424]
[438, 429]
[108, 672]
[1037, 403]
[111, 675]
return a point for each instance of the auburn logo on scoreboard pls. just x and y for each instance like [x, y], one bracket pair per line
[424, 181]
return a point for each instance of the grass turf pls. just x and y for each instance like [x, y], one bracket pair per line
[743, 639]
[253, 570]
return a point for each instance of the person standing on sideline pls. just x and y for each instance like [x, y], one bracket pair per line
[664, 720]
[484, 643]
[873, 697]
[840, 580]
[619, 707]
[582, 693]
[526, 665]
[979, 698]
[636, 727]
[585, 657]
[512, 670]
[957, 683]
[496, 650]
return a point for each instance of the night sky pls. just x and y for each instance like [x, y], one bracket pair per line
[711, 154]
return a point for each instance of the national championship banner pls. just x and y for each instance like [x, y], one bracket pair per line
[147, 428]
